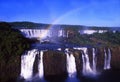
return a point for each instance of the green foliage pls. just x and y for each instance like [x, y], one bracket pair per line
[97, 39]
[109, 38]
[26, 24]
[12, 43]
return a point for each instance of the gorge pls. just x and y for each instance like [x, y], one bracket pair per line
[63, 60]
[73, 62]
[66, 61]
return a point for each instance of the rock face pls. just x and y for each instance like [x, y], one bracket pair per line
[78, 60]
[115, 60]
[55, 63]
[54, 66]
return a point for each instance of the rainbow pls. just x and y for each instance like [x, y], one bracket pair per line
[58, 20]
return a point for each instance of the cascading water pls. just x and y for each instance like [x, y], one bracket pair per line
[44, 33]
[94, 61]
[84, 67]
[87, 70]
[71, 68]
[35, 33]
[40, 66]
[71, 65]
[86, 64]
[27, 61]
[107, 59]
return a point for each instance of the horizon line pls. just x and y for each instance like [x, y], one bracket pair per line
[63, 24]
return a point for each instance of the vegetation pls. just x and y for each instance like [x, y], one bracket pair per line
[97, 39]
[26, 24]
[11, 42]
[32, 25]
[12, 45]
[107, 38]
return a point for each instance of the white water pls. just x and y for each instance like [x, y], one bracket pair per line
[36, 33]
[107, 59]
[27, 61]
[40, 66]
[92, 31]
[84, 67]
[87, 69]
[41, 33]
[71, 65]
[86, 63]
[94, 60]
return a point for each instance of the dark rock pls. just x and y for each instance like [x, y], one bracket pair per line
[54, 63]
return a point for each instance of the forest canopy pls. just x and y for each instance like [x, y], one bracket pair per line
[12, 42]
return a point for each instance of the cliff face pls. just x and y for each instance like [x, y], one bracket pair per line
[115, 60]
[55, 63]
[54, 66]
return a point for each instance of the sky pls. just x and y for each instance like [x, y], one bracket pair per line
[74, 12]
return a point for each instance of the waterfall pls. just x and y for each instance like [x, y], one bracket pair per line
[71, 65]
[40, 66]
[27, 61]
[84, 67]
[107, 59]
[86, 64]
[86, 70]
[42, 33]
[35, 33]
[94, 61]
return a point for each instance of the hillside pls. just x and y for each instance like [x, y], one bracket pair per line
[11, 41]
[32, 25]
[108, 38]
